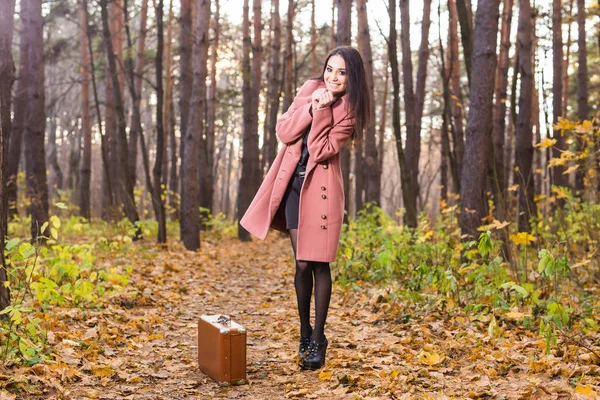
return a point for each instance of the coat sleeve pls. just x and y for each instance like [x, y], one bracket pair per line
[293, 123]
[326, 139]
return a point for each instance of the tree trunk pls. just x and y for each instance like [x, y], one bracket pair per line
[314, 65]
[566, 61]
[123, 188]
[288, 88]
[382, 120]
[86, 120]
[212, 101]
[582, 87]
[343, 38]
[273, 91]
[190, 200]
[186, 39]
[557, 65]
[35, 122]
[463, 8]
[7, 76]
[372, 171]
[524, 134]
[157, 172]
[479, 123]
[456, 103]
[413, 101]
[393, 57]
[55, 173]
[250, 178]
[498, 129]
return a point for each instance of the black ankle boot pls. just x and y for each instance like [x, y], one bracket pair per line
[303, 349]
[315, 356]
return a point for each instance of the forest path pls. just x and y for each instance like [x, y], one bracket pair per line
[378, 349]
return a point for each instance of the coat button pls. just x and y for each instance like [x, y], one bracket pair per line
[323, 188]
[323, 216]
[322, 226]
[323, 196]
[325, 166]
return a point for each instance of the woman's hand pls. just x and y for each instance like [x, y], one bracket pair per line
[316, 97]
[325, 99]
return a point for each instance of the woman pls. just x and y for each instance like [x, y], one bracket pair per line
[303, 192]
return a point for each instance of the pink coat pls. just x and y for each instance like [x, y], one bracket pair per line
[321, 210]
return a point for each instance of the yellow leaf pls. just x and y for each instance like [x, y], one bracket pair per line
[513, 188]
[6, 284]
[556, 162]
[572, 168]
[428, 358]
[102, 371]
[585, 127]
[547, 142]
[586, 390]
[522, 238]
[560, 193]
[564, 124]
[325, 375]
[54, 233]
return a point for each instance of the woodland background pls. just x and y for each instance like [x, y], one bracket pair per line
[474, 191]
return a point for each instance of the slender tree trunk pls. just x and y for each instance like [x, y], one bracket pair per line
[212, 101]
[463, 8]
[524, 134]
[413, 101]
[7, 76]
[273, 91]
[35, 126]
[185, 75]
[190, 200]
[498, 130]
[18, 123]
[457, 103]
[393, 57]
[566, 61]
[333, 27]
[343, 38]
[372, 171]
[173, 178]
[86, 120]
[479, 123]
[557, 90]
[288, 85]
[56, 174]
[157, 172]
[314, 65]
[383, 118]
[582, 86]
[250, 178]
[122, 186]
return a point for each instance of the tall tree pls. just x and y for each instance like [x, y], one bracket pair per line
[393, 57]
[465, 19]
[185, 75]
[251, 175]
[6, 81]
[372, 171]
[190, 199]
[157, 172]
[274, 85]
[479, 123]
[212, 99]
[288, 82]
[35, 121]
[343, 38]
[123, 189]
[557, 90]
[414, 100]
[524, 132]
[582, 83]
[456, 98]
[498, 129]
[135, 79]
[86, 120]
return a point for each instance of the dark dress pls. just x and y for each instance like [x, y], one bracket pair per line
[292, 193]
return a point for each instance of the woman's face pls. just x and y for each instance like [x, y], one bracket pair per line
[335, 76]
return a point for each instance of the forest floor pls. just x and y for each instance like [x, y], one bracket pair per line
[144, 347]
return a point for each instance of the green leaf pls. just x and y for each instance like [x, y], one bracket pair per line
[12, 243]
[44, 226]
[521, 290]
[62, 206]
[54, 233]
[55, 221]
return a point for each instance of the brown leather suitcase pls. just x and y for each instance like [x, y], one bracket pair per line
[222, 349]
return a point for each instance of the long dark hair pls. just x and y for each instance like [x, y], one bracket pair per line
[359, 98]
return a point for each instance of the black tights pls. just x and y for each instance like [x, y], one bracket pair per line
[303, 281]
